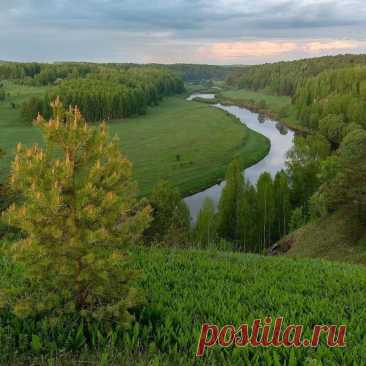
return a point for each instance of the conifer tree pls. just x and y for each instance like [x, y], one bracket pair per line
[79, 214]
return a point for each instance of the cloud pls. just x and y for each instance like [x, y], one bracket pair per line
[227, 50]
[247, 50]
[179, 30]
[333, 45]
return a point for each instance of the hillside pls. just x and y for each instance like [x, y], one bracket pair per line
[338, 237]
[185, 288]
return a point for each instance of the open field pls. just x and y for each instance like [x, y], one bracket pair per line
[185, 288]
[188, 143]
[206, 140]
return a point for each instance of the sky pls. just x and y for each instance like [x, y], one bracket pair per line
[180, 31]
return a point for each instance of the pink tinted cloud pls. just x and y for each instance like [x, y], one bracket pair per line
[230, 50]
[225, 51]
[329, 45]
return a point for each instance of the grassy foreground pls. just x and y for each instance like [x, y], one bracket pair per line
[188, 143]
[185, 288]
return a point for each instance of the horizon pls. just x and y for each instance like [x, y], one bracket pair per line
[175, 63]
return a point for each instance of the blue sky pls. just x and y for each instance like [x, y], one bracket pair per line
[169, 31]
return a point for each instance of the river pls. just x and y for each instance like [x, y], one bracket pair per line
[282, 139]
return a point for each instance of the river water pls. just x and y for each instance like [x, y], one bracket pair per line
[282, 139]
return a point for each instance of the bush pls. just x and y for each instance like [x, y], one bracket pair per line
[31, 108]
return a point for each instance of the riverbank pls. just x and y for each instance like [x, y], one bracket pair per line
[189, 144]
[281, 140]
[274, 107]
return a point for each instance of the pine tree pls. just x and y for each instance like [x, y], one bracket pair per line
[79, 214]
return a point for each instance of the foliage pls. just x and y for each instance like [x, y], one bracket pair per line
[266, 208]
[247, 225]
[117, 94]
[254, 216]
[198, 73]
[228, 205]
[205, 230]
[298, 218]
[333, 128]
[79, 215]
[334, 92]
[304, 165]
[37, 74]
[185, 288]
[345, 185]
[2, 94]
[31, 108]
[171, 218]
[284, 78]
[282, 204]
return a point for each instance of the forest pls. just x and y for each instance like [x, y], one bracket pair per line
[283, 78]
[325, 169]
[109, 94]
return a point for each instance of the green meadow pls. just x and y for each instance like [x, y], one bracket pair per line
[277, 105]
[187, 143]
[185, 288]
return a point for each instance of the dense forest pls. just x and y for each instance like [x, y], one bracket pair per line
[43, 74]
[337, 94]
[109, 93]
[283, 78]
[326, 168]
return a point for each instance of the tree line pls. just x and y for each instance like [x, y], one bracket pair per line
[284, 78]
[109, 93]
[37, 74]
[333, 102]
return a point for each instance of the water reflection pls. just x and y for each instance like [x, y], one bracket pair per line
[261, 117]
[202, 96]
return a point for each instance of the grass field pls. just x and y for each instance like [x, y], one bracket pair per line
[185, 288]
[275, 102]
[12, 128]
[206, 140]
[280, 106]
